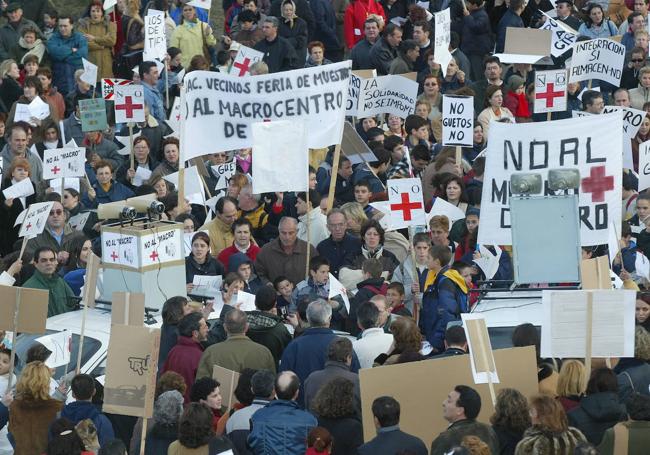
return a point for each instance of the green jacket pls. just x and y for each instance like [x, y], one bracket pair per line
[236, 353]
[60, 293]
[638, 438]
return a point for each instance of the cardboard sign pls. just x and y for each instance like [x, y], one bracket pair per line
[457, 120]
[644, 166]
[155, 41]
[600, 59]
[127, 308]
[441, 40]
[59, 345]
[131, 369]
[245, 58]
[129, 103]
[421, 412]
[594, 273]
[227, 106]
[527, 41]
[65, 162]
[89, 76]
[566, 317]
[387, 95]
[591, 144]
[406, 204]
[36, 219]
[90, 280]
[93, 114]
[562, 36]
[228, 380]
[32, 312]
[550, 91]
[275, 144]
[108, 87]
[480, 348]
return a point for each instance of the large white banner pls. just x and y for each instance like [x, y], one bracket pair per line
[155, 41]
[393, 94]
[562, 36]
[226, 106]
[590, 144]
[600, 59]
[457, 120]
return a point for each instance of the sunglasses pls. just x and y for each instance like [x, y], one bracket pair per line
[56, 212]
[636, 60]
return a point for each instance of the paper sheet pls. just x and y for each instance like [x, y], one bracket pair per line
[337, 288]
[206, 285]
[442, 207]
[59, 344]
[68, 182]
[142, 174]
[23, 188]
[246, 300]
[39, 108]
[192, 180]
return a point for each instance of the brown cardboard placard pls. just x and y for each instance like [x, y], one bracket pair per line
[90, 285]
[131, 369]
[365, 74]
[32, 312]
[594, 273]
[528, 41]
[127, 308]
[422, 412]
[412, 76]
[228, 380]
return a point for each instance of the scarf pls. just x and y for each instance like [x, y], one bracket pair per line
[244, 163]
[372, 254]
[37, 49]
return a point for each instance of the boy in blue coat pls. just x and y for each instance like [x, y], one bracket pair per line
[83, 390]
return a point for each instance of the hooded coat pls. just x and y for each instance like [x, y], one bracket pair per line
[596, 413]
[254, 282]
[80, 410]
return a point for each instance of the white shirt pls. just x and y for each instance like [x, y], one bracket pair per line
[372, 343]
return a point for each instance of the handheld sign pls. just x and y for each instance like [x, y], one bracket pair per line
[65, 162]
[35, 219]
[244, 59]
[406, 205]
[644, 166]
[550, 91]
[23, 188]
[393, 94]
[441, 40]
[89, 76]
[129, 104]
[600, 59]
[59, 344]
[33, 305]
[93, 114]
[457, 120]
[228, 380]
[108, 87]
[155, 42]
[562, 36]
[205, 4]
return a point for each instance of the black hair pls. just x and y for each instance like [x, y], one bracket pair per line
[203, 387]
[386, 410]
[189, 324]
[265, 298]
[263, 383]
[367, 315]
[455, 335]
[392, 141]
[469, 399]
[83, 387]
[243, 392]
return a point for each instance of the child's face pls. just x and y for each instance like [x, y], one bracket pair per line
[5, 361]
[466, 273]
[362, 195]
[285, 288]
[422, 133]
[471, 222]
[245, 271]
[321, 275]
[393, 297]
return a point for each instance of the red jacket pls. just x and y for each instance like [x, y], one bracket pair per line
[355, 15]
[224, 256]
[184, 359]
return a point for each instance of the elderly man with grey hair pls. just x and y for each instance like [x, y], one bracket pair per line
[308, 353]
[238, 352]
[284, 256]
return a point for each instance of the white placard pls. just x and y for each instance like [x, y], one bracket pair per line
[550, 91]
[22, 113]
[444, 208]
[78, 222]
[632, 119]
[590, 144]
[89, 76]
[488, 262]
[406, 204]
[442, 38]
[564, 323]
[108, 4]
[36, 219]
[337, 288]
[129, 103]
[59, 345]
[207, 285]
[174, 120]
[192, 180]
[120, 249]
[142, 174]
[38, 108]
[246, 301]
[68, 182]
[245, 58]
[354, 90]
[227, 106]
[108, 86]
[275, 145]
[23, 188]
[600, 59]
[457, 120]
[205, 4]
[155, 41]
[65, 162]
[479, 377]
[393, 94]
[562, 36]
[160, 248]
[644, 166]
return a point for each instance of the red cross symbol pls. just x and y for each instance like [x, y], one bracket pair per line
[114, 256]
[549, 95]
[29, 226]
[597, 183]
[129, 107]
[406, 206]
[55, 169]
[154, 256]
[243, 66]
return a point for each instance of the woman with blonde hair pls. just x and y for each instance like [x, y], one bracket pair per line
[355, 217]
[33, 410]
[550, 433]
[571, 384]
[10, 89]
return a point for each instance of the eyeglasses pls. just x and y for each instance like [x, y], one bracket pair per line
[637, 60]
[56, 212]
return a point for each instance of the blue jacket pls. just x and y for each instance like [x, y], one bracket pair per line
[81, 410]
[308, 353]
[339, 253]
[442, 302]
[154, 100]
[254, 282]
[64, 61]
[509, 19]
[117, 192]
[363, 173]
[281, 428]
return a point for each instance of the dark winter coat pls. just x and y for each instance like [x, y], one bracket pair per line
[597, 412]
[81, 410]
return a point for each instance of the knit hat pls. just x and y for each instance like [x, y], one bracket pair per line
[514, 82]
[168, 407]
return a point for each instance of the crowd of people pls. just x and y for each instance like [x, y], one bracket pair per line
[299, 352]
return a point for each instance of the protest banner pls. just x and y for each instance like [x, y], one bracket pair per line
[442, 30]
[480, 352]
[354, 89]
[245, 58]
[457, 120]
[392, 94]
[632, 119]
[89, 76]
[592, 145]
[93, 114]
[600, 59]
[525, 45]
[644, 166]
[444, 208]
[65, 162]
[563, 36]
[406, 204]
[155, 41]
[354, 147]
[421, 414]
[224, 173]
[108, 87]
[275, 144]
[228, 380]
[227, 106]
[127, 308]
[550, 91]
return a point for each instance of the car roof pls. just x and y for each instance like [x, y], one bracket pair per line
[509, 309]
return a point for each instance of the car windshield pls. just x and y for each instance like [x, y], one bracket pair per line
[25, 341]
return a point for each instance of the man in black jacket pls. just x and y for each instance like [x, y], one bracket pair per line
[340, 247]
[384, 51]
[279, 54]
